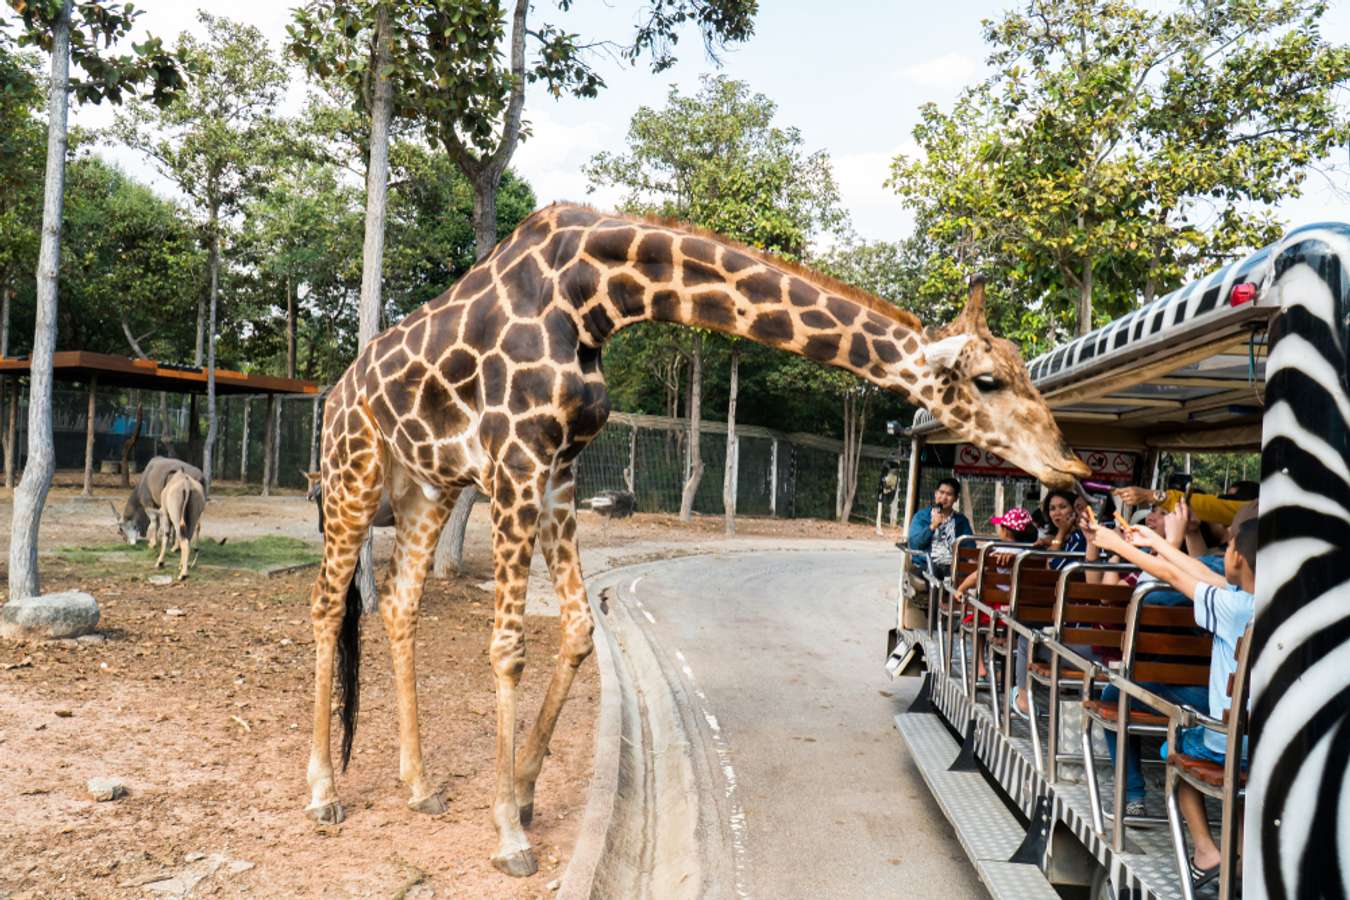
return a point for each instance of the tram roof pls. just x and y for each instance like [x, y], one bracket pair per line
[1185, 371]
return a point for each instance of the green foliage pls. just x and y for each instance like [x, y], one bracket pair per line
[94, 27]
[22, 147]
[1117, 150]
[218, 140]
[129, 256]
[429, 230]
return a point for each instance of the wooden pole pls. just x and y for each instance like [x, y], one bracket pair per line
[12, 432]
[89, 440]
[773, 478]
[269, 434]
[243, 448]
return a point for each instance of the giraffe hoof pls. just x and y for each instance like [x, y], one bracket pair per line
[330, 813]
[520, 864]
[432, 804]
[527, 813]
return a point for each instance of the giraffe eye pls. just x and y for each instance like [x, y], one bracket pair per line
[987, 383]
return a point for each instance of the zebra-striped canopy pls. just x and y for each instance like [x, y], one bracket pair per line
[1184, 371]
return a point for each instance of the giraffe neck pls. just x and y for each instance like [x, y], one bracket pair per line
[631, 272]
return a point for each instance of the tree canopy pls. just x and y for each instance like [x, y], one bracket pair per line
[1117, 149]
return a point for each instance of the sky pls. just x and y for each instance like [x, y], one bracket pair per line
[850, 75]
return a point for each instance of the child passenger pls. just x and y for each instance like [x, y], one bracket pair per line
[1224, 606]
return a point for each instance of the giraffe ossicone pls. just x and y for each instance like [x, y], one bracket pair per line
[497, 383]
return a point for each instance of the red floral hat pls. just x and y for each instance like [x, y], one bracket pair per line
[1015, 519]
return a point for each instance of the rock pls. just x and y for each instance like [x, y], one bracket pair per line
[106, 789]
[66, 614]
[91, 638]
[64, 714]
[172, 611]
[160, 579]
[554, 884]
[194, 856]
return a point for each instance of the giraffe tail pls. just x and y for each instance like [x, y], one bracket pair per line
[348, 653]
[349, 664]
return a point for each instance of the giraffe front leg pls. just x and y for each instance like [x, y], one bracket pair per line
[515, 515]
[558, 534]
[419, 523]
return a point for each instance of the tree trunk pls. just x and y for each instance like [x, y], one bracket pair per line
[450, 550]
[12, 433]
[31, 494]
[290, 328]
[729, 470]
[315, 423]
[88, 489]
[695, 416]
[243, 452]
[276, 444]
[269, 432]
[129, 445]
[6, 295]
[201, 331]
[165, 426]
[485, 212]
[213, 262]
[372, 257]
[855, 423]
[1085, 299]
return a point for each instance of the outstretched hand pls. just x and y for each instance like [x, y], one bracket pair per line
[1134, 496]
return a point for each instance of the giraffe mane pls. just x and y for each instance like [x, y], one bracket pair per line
[829, 283]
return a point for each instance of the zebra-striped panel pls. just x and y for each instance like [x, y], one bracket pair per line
[1297, 840]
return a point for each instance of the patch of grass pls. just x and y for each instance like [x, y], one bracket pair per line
[257, 554]
[254, 555]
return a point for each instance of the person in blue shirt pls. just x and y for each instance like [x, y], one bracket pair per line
[934, 530]
[1224, 606]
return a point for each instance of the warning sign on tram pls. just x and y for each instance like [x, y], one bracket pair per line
[1107, 465]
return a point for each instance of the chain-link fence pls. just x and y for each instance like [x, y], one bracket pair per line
[774, 473]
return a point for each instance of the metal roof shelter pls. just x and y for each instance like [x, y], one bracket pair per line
[107, 370]
[1184, 372]
[123, 371]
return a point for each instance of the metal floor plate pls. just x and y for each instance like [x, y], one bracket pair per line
[986, 829]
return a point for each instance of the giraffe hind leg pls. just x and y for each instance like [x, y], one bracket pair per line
[418, 521]
[335, 610]
[558, 536]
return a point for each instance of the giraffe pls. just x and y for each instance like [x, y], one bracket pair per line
[497, 383]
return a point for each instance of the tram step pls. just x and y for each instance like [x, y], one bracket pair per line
[988, 832]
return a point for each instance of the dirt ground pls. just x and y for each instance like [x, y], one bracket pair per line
[196, 696]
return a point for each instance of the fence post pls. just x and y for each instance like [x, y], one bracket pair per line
[89, 440]
[269, 433]
[998, 498]
[276, 442]
[773, 478]
[630, 473]
[243, 444]
[839, 488]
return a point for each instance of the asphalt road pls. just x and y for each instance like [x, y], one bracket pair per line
[783, 652]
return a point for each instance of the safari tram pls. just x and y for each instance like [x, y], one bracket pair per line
[1254, 358]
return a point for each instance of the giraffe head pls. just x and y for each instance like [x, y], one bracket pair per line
[985, 396]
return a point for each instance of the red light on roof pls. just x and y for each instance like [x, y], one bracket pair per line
[1242, 293]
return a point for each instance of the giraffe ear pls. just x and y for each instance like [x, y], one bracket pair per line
[942, 354]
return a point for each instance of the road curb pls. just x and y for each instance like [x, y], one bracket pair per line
[649, 756]
[642, 832]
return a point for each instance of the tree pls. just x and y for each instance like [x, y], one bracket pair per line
[53, 26]
[20, 177]
[1117, 149]
[445, 72]
[715, 159]
[216, 143]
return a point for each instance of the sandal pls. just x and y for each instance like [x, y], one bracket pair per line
[1201, 877]
[1017, 710]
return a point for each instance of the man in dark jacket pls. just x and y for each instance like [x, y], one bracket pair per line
[934, 530]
